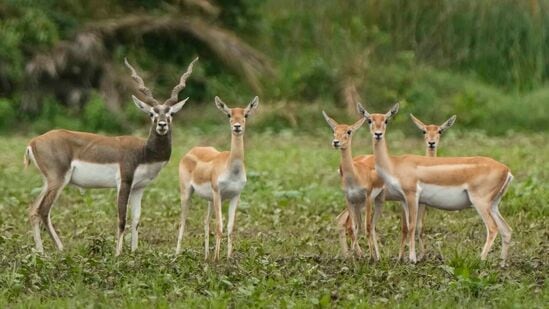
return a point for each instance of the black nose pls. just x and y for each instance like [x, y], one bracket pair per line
[336, 143]
[162, 124]
[377, 134]
[431, 143]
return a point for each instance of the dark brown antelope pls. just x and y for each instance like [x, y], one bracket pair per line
[87, 160]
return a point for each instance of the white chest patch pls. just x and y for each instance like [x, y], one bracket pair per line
[355, 194]
[145, 173]
[94, 175]
[392, 185]
[444, 197]
[232, 181]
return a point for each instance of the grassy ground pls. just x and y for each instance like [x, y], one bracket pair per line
[286, 247]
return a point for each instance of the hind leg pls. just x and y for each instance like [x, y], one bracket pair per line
[53, 187]
[483, 209]
[505, 231]
[186, 192]
[207, 219]
[34, 217]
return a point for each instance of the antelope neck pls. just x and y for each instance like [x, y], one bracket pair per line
[158, 147]
[431, 152]
[237, 148]
[381, 155]
[347, 167]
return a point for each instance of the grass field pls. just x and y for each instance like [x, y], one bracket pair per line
[286, 241]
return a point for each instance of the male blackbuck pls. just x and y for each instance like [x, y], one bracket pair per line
[216, 176]
[450, 183]
[364, 172]
[87, 160]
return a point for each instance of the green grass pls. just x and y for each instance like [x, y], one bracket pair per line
[286, 245]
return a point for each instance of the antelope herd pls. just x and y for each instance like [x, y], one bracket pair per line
[129, 164]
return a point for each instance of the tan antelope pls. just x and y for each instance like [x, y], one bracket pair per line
[451, 183]
[87, 160]
[364, 171]
[216, 176]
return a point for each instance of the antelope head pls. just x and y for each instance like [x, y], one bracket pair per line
[342, 132]
[237, 116]
[160, 114]
[378, 122]
[432, 132]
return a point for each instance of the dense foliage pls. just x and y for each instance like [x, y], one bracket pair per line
[486, 61]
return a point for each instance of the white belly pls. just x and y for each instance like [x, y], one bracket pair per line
[444, 197]
[228, 186]
[145, 173]
[94, 175]
[204, 190]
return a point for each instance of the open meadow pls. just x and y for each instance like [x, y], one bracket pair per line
[286, 251]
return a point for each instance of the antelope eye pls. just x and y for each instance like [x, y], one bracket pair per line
[245, 115]
[151, 114]
[369, 121]
[439, 131]
[349, 132]
[424, 132]
[228, 115]
[386, 121]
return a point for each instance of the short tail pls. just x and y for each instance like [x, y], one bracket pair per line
[27, 157]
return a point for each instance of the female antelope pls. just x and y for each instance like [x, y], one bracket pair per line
[216, 176]
[87, 160]
[451, 183]
[364, 169]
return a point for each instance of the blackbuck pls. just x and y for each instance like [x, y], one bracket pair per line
[363, 173]
[216, 176]
[449, 183]
[87, 160]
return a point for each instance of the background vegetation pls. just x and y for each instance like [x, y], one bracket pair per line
[487, 61]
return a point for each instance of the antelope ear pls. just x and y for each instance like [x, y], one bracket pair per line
[222, 106]
[362, 111]
[250, 109]
[446, 125]
[390, 114]
[142, 105]
[418, 123]
[177, 107]
[332, 123]
[358, 124]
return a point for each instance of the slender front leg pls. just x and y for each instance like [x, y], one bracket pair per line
[420, 218]
[219, 220]
[368, 225]
[354, 211]
[123, 197]
[186, 192]
[412, 205]
[404, 218]
[233, 205]
[207, 219]
[377, 212]
[135, 203]
[344, 225]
